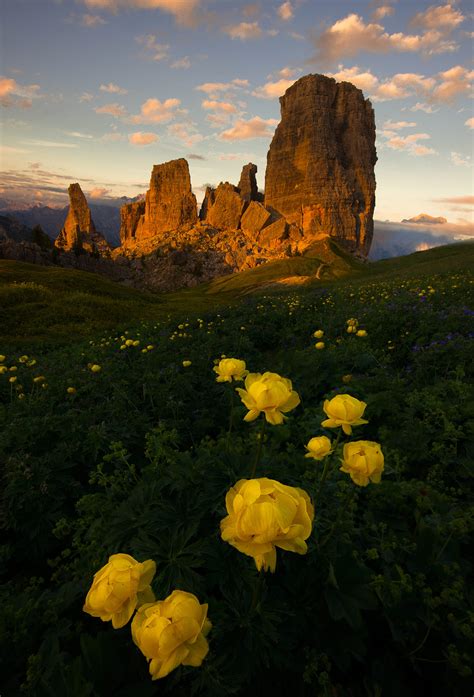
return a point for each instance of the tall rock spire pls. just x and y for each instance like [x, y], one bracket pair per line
[79, 233]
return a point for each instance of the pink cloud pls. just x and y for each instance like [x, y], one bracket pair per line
[155, 111]
[285, 11]
[252, 128]
[213, 105]
[182, 10]
[142, 138]
[115, 110]
[272, 90]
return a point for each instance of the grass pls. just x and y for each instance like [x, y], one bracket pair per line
[47, 306]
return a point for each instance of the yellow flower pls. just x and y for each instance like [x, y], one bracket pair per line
[269, 393]
[2, 358]
[364, 461]
[118, 587]
[186, 364]
[172, 632]
[230, 368]
[346, 378]
[71, 390]
[136, 343]
[96, 368]
[12, 379]
[319, 345]
[344, 410]
[318, 334]
[3, 369]
[129, 342]
[318, 447]
[361, 332]
[23, 359]
[39, 378]
[150, 347]
[263, 515]
[13, 369]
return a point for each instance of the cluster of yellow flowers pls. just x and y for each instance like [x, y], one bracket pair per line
[352, 327]
[169, 632]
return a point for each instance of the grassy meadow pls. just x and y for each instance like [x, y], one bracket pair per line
[116, 438]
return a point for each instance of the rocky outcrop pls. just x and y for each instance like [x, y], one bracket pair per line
[255, 218]
[130, 215]
[320, 166]
[208, 201]
[248, 183]
[170, 203]
[78, 233]
[227, 209]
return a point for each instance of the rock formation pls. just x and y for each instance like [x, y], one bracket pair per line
[169, 205]
[130, 215]
[78, 233]
[320, 166]
[248, 183]
[208, 201]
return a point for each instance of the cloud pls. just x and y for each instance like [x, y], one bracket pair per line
[438, 16]
[183, 63]
[351, 35]
[453, 82]
[214, 90]
[243, 31]
[86, 97]
[115, 110]
[459, 160]
[285, 11]
[10, 150]
[457, 200]
[50, 144]
[444, 87]
[252, 128]
[182, 10]
[427, 108]
[397, 125]
[154, 50]
[142, 138]
[193, 156]
[470, 122]
[12, 94]
[186, 132]
[113, 89]
[98, 192]
[154, 111]
[77, 134]
[408, 143]
[213, 105]
[382, 11]
[271, 90]
[92, 20]
[113, 137]
[425, 219]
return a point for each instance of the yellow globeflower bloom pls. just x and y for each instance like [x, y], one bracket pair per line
[230, 369]
[344, 410]
[23, 359]
[347, 378]
[172, 632]
[186, 364]
[318, 334]
[96, 368]
[12, 379]
[319, 345]
[361, 332]
[2, 358]
[269, 393]
[39, 378]
[3, 369]
[318, 447]
[71, 390]
[364, 461]
[118, 587]
[265, 514]
[129, 342]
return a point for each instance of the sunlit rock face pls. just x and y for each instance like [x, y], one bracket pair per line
[79, 233]
[320, 166]
[130, 215]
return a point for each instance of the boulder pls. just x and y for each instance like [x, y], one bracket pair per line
[273, 234]
[227, 209]
[255, 218]
[320, 165]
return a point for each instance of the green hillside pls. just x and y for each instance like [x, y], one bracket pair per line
[50, 305]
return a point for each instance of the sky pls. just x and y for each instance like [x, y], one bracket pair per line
[98, 91]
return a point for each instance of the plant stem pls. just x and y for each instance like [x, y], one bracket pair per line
[231, 415]
[328, 462]
[259, 449]
[257, 590]
[343, 507]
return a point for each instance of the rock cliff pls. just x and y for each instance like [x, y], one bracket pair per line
[320, 165]
[78, 233]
